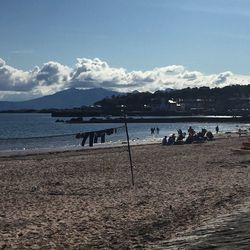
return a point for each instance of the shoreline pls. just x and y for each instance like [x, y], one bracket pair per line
[85, 200]
[39, 151]
[133, 143]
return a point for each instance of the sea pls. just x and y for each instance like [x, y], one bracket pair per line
[23, 132]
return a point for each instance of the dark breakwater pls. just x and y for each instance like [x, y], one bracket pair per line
[184, 119]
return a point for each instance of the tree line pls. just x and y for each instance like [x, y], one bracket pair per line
[145, 98]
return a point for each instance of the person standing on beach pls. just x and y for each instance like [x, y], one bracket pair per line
[217, 129]
[157, 130]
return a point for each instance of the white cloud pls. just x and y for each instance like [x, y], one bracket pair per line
[222, 77]
[53, 73]
[97, 73]
[87, 73]
[12, 79]
[2, 62]
[190, 75]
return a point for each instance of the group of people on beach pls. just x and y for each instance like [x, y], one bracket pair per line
[188, 138]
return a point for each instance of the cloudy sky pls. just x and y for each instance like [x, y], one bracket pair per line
[124, 45]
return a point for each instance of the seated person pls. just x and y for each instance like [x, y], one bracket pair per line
[210, 136]
[171, 139]
[203, 131]
[181, 135]
[189, 139]
[198, 138]
[191, 131]
[164, 141]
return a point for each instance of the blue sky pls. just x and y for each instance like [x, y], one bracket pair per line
[139, 35]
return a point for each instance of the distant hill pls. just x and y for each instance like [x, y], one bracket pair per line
[69, 98]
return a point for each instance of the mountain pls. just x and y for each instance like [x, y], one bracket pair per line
[69, 98]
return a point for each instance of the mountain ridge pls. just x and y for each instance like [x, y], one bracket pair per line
[69, 98]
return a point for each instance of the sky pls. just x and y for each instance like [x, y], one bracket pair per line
[124, 45]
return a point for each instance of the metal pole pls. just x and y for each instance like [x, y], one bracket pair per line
[129, 151]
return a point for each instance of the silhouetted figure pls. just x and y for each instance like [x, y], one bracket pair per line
[191, 131]
[171, 139]
[203, 132]
[210, 136]
[217, 129]
[189, 139]
[200, 136]
[181, 135]
[164, 141]
[157, 130]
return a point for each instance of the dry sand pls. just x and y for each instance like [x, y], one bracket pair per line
[84, 199]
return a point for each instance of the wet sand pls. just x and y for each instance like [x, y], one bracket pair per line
[85, 200]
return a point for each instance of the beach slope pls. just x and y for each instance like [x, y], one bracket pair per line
[85, 200]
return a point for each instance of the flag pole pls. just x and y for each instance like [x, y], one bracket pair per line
[129, 151]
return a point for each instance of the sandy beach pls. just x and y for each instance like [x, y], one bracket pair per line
[85, 200]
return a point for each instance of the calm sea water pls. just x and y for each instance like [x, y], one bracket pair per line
[40, 131]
